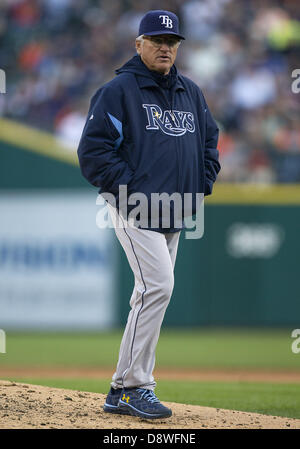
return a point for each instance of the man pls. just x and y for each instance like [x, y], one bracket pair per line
[148, 129]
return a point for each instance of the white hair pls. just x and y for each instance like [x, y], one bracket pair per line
[141, 40]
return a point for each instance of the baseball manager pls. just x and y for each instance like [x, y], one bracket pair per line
[148, 129]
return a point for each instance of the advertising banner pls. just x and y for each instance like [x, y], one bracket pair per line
[57, 268]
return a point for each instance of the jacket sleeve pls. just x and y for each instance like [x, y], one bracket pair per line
[211, 154]
[98, 151]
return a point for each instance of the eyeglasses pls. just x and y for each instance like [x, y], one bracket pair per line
[158, 41]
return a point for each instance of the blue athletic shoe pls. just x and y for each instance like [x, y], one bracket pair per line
[112, 402]
[143, 403]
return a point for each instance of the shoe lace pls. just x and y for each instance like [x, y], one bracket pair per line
[148, 395]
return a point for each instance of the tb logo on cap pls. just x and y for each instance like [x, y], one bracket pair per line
[167, 21]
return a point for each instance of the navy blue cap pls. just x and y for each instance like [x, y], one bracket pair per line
[160, 22]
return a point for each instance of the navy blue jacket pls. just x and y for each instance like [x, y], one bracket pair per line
[149, 136]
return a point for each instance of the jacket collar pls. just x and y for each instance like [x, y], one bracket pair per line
[145, 82]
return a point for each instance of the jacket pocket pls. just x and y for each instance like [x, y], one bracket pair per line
[137, 183]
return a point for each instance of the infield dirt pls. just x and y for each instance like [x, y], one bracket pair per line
[221, 375]
[24, 406]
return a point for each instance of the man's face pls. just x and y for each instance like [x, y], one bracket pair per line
[158, 52]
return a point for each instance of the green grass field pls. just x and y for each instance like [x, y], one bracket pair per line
[213, 348]
[207, 348]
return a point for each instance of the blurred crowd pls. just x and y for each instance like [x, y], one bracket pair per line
[56, 53]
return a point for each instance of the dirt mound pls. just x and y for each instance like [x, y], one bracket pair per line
[31, 406]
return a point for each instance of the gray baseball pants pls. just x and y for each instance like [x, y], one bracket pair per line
[151, 256]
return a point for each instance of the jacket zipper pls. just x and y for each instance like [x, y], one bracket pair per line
[173, 117]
